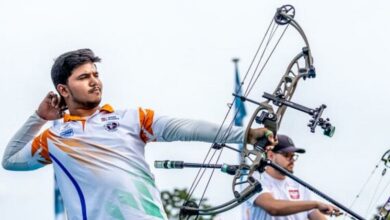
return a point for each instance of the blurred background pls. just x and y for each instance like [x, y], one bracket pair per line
[176, 57]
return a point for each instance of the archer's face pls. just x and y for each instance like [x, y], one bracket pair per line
[84, 87]
[285, 160]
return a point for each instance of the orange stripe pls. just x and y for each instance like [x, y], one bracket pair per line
[40, 142]
[66, 146]
[107, 108]
[87, 154]
[146, 122]
[68, 118]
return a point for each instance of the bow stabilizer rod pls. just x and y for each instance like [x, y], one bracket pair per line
[190, 208]
[169, 164]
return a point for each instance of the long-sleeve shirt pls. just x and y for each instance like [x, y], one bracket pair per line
[99, 161]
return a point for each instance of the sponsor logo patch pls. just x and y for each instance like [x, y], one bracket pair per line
[111, 126]
[67, 133]
[114, 117]
[110, 118]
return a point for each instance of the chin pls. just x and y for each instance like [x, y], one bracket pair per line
[290, 169]
[91, 104]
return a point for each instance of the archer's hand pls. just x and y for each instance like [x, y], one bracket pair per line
[328, 209]
[49, 108]
[256, 133]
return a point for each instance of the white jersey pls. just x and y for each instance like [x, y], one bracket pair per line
[99, 161]
[286, 189]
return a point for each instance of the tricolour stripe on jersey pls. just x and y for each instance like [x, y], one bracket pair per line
[40, 142]
[147, 201]
[76, 185]
[146, 122]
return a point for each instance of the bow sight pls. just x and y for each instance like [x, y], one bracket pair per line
[278, 100]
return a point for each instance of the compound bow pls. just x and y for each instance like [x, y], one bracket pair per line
[253, 158]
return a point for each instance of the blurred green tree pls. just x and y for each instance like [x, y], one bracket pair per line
[173, 200]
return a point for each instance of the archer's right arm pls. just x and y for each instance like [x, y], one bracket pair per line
[279, 207]
[19, 153]
[24, 152]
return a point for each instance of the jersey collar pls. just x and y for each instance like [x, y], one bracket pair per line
[106, 108]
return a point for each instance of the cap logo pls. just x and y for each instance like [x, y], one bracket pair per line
[290, 141]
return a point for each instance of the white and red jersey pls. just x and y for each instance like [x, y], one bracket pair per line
[99, 161]
[286, 189]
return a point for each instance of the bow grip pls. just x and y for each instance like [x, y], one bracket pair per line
[269, 122]
[261, 144]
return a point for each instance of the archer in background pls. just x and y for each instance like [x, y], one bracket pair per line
[98, 152]
[282, 198]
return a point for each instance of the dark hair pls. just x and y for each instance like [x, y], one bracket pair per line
[67, 62]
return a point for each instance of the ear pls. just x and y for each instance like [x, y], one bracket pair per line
[63, 90]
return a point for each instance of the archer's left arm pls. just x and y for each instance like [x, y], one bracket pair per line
[174, 129]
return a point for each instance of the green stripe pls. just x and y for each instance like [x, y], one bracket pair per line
[127, 199]
[143, 189]
[114, 211]
[151, 208]
[142, 174]
[147, 201]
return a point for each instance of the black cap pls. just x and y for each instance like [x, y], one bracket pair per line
[286, 145]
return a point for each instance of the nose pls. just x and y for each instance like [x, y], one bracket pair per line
[94, 81]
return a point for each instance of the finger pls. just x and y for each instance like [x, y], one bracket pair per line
[269, 135]
[272, 140]
[47, 97]
[267, 132]
[50, 94]
[55, 101]
[338, 212]
[332, 214]
[60, 113]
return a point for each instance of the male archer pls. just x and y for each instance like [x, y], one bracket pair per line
[97, 151]
[283, 198]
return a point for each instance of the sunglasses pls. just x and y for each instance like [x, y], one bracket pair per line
[289, 156]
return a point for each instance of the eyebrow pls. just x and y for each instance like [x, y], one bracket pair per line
[88, 73]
